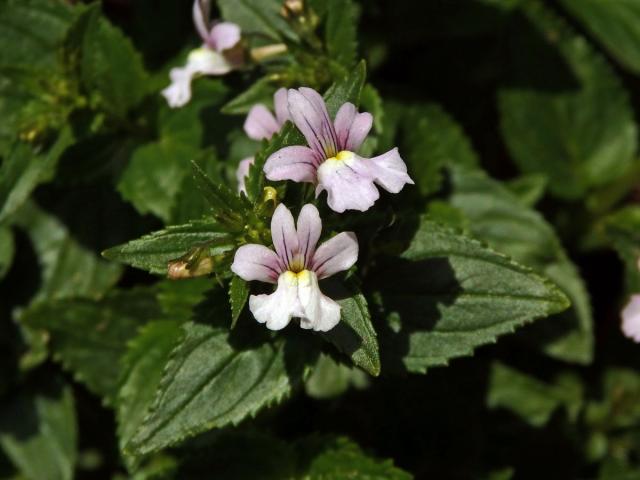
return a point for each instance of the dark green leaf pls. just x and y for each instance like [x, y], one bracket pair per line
[89, 337]
[259, 92]
[566, 115]
[354, 335]
[340, 32]
[38, 431]
[448, 294]
[346, 90]
[615, 24]
[143, 364]
[528, 188]
[7, 249]
[531, 399]
[257, 17]
[238, 296]
[331, 379]
[497, 217]
[622, 228]
[152, 252]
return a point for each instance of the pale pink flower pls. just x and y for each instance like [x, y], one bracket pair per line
[631, 317]
[261, 124]
[330, 161]
[209, 59]
[296, 266]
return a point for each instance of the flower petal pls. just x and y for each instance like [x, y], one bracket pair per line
[348, 183]
[280, 106]
[260, 123]
[242, 172]
[256, 262]
[309, 113]
[224, 36]
[309, 227]
[390, 171]
[283, 233]
[295, 163]
[207, 62]
[352, 127]
[277, 309]
[201, 11]
[319, 312]
[336, 255]
[179, 92]
[631, 319]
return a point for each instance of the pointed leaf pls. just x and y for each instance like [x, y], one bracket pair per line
[238, 296]
[341, 33]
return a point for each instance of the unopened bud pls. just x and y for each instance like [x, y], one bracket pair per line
[269, 194]
[292, 7]
[195, 263]
[262, 53]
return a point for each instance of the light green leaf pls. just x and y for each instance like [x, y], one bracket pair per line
[154, 176]
[497, 217]
[260, 91]
[238, 296]
[89, 337]
[622, 229]
[528, 188]
[110, 65]
[531, 399]
[152, 252]
[68, 268]
[257, 17]
[340, 32]
[331, 379]
[213, 380]
[461, 295]
[566, 115]
[616, 24]
[142, 368]
[22, 170]
[371, 101]
[7, 249]
[354, 335]
[38, 431]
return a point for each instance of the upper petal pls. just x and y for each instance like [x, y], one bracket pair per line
[207, 62]
[631, 319]
[319, 312]
[260, 123]
[309, 227]
[336, 255]
[349, 184]
[295, 163]
[309, 113]
[178, 93]
[256, 262]
[352, 127]
[242, 172]
[280, 106]
[224, 35]
[277, 309]
[390, 171]
[283, 233]
[201, 11]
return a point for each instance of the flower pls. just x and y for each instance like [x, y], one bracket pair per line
[296, 266]
[631, 317]
[330, 161]
[210, 59]
[262, 124]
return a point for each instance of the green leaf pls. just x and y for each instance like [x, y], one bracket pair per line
[566, 114]
[330, 379]
[68, 268]
[260, 91]
[110, 65]
[143, 364]
[257, 17]
[213, 380]
[340, 458]
[615, 24]
[340, 32]
[528, 188]
[238, 296]
[89, 337]
[7, 249]
[460, 295]
[531, 399]
[354, 335]
[371, 101]
[622, 229]
[154, 176]
[152, 252]
[22, 170]
[38, 431]
[347, 89]
[497, 217]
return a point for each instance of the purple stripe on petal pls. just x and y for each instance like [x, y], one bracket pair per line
[283, 234]
[224, 36]
[309, 113]
[336, 255]
[342, 123]
[256, 262]
[296, 163]
[260, 123]
[390, 171]
[352, 127]
[309, 227]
